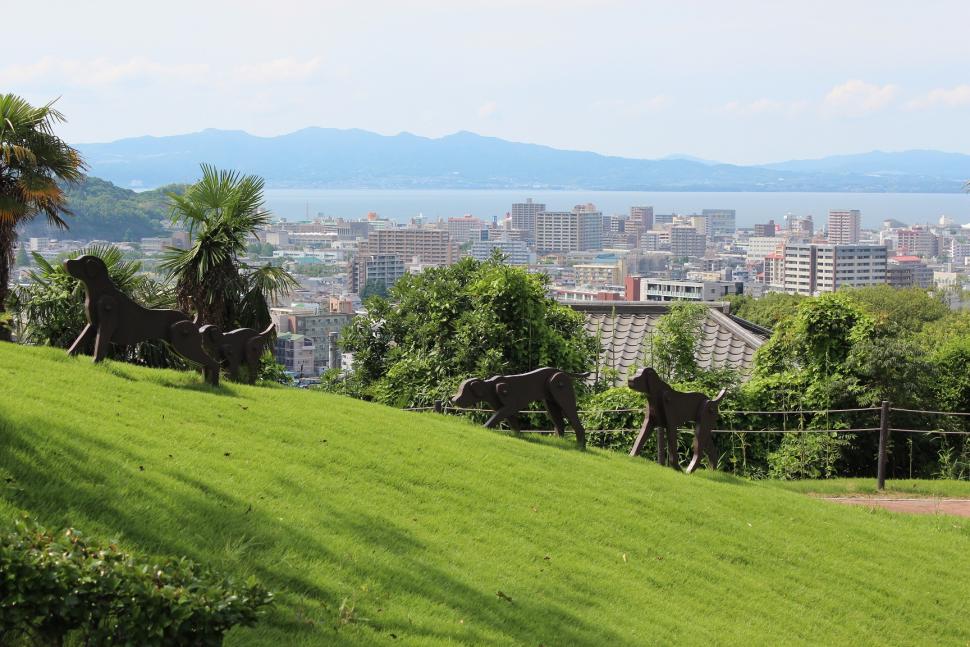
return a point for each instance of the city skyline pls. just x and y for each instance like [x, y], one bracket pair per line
[743, 83]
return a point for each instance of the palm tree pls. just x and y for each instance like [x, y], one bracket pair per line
[221, 210]
[33, 160]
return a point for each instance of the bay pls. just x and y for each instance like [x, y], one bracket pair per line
[402, 205]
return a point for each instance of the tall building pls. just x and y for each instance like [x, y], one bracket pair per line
[642, 218]
[765, 230]
[720, 222]
[524, 216]
[516, 252]
[799, 225]
[844, 227]
[307, 321]
[384, 269]
[815, 268]
[686, 242]
[569, 231]
[295, 353]
[465, 228]
[430, 246]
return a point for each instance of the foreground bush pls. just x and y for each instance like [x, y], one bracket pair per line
[60, 587]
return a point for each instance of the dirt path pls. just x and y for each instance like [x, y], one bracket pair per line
[959, 507]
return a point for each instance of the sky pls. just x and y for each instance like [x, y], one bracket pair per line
[742, 81]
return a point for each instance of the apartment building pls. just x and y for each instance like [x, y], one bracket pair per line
[764, 230]
[598, 274]
[916, 241]
[516, 251]
[641, 218]
[465, 228]
[845, 227]
[670, 290]
[816, 268]
[385, 269]
[523, 216]
[760, 246]
[908, 271]
[721, 223]
[686, 242]
[430, 246]
[307, 321]
[295, 353]
[569, 231]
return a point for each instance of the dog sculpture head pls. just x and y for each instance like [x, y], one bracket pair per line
[642, 378]
[210, 334]
[88, 269]
[470, 392]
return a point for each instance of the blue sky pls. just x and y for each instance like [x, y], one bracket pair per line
[738, 81]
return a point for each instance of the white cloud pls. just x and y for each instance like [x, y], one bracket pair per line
[98, 71]
[280, 69]
[954, 97]
[487, 109]
[856, 98]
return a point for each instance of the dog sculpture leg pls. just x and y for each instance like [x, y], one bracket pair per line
[107, 325]
[672, 458]
[555, 414]
[643, 435]
[82, 340]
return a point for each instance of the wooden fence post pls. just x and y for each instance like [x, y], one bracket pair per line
[883, 441]
[439, 406]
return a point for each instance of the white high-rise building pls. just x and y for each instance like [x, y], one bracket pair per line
[569, 231]
[815, 268]
[720, 222]
[844, 227]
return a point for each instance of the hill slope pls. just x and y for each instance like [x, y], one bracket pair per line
[376, 526]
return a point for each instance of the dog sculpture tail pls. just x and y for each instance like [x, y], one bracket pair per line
[578, 376]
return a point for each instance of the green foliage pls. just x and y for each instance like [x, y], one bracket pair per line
[22, 260]
[261, 249]
[102, 211]
[807, 456]
[34, 163]
[470, 319]
[767, 311]
[272, 372]
[601, 412]
[898, 311]
[675, 341]
[220, 211]
[57, 586]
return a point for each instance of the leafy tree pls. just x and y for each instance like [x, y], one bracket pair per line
[33, 160]
[675, 341]
[767, 311]
[474, 318]
[220, 211]
[898, 311]
[23, 260]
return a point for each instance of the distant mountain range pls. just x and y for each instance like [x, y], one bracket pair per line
[331, 158]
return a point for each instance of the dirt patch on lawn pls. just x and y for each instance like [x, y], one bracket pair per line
[958, 507]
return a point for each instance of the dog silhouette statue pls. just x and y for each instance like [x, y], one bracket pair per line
[113, 318]
[507, 395]
[668, 409]
[236, 347]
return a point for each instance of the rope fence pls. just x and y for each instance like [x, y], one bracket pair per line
[884, 429]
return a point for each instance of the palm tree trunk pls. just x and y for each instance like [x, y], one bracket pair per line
[8, 235]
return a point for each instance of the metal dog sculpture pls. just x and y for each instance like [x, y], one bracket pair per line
[113, 318]
[237, 346]
[669, 409]
[507, 395]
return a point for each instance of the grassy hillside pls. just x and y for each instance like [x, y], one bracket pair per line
[376, 526]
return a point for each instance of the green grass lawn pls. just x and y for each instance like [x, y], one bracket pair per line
[894, 488]
[377, 526]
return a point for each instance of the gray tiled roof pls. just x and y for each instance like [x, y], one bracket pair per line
[624, 329]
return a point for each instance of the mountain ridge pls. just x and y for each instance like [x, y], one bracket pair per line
[317, 157]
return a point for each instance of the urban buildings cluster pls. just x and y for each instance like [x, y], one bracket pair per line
[588, 256]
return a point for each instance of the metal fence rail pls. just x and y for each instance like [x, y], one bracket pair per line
[884, 429]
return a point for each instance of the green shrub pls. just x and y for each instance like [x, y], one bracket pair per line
[57, 587]
[600, 413]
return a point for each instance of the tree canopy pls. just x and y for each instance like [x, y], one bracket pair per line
[474, 318]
